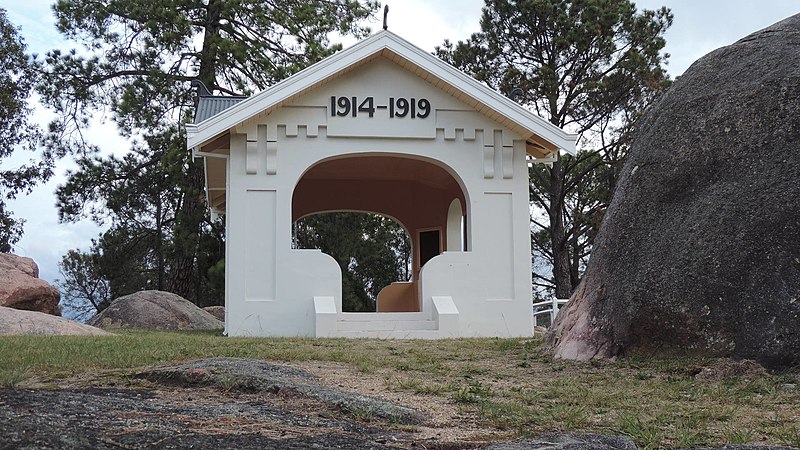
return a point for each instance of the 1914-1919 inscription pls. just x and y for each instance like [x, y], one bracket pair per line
[397, 107]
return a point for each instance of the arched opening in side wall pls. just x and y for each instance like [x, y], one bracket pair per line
[373, 251]
[418, 194]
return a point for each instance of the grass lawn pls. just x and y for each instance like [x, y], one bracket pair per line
[505, 384]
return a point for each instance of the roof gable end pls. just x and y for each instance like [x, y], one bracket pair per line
[484, 99]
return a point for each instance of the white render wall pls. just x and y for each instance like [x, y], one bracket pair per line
[271, 288]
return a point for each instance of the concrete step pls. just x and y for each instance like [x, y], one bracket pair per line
[391, 334]
[385, 325]
[383, 316]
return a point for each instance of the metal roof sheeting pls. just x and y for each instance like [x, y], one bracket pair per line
[213, 105]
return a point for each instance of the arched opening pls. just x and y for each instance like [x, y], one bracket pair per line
[417, 193]
[455, 227]
[373, 251]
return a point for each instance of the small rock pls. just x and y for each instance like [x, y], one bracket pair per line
[727, 368]
[216, 311]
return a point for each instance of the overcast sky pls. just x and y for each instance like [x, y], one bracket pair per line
[699, 27]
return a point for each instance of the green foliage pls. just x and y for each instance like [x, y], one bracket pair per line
[143, 194]
[84, 289]
[475, 393]
[642, 431]
[583, 212]
[372, 251]
[10, 378]
[137, 60]
[17, 77]
[589, 66]
[143, 54]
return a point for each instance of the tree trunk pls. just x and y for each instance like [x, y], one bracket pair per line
[159, 243]
[208, 55]
[188, 224]
[190, 214]
[558, 241]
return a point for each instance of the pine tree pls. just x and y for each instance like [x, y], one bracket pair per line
[17, 77]
[590, 67]
[136, 65]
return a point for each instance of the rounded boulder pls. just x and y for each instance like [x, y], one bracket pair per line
[21, 322]
[21, 287]
[155, 310]
[699, 250]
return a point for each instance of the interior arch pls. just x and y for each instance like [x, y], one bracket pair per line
[417, 193]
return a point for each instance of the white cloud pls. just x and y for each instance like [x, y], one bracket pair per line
[427, 24]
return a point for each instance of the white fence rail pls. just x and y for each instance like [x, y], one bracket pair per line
[551, 307]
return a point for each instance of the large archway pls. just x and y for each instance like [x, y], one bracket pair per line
[417, 193]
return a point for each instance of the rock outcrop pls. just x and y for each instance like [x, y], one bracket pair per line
[699, 250]
[155, 310]
[20, 322]
[216, 311]
[248, 375]
[21, 287]
[568, 441]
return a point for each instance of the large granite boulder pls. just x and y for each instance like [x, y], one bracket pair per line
[21, 287]
[155, 310]
[20, 322]
[699, 250]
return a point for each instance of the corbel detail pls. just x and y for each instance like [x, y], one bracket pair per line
[488, 154]
[508, 162]
[251, 158]
[269, 148]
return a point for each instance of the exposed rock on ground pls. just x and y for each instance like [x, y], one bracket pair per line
[16, 321]
[573, 441]
[260, 376]
[568, 441]
[21, 287]
[699, 250]
[155, 310]
[244, 404]
[726, 368]
[208, 404]
[145, 419]
[216, 311]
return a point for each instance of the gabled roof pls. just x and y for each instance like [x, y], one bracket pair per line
[211, 105]
[385, 43]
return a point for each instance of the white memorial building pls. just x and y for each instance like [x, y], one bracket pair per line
[387, 128]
